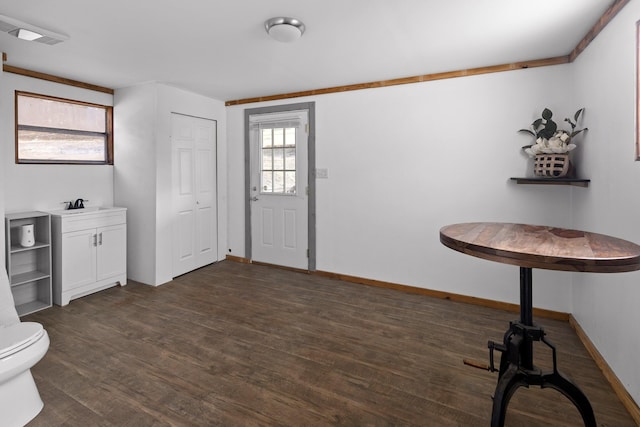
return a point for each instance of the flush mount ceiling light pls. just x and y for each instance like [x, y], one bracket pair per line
[284, 29]
[29, 32]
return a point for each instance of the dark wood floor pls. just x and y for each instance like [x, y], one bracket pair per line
[245, 345]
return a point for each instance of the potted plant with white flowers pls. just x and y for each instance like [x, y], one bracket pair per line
[552, 145]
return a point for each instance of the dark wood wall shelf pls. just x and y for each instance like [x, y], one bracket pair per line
[578, 182]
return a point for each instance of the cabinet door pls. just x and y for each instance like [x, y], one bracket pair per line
[78, 258]
[112, 251]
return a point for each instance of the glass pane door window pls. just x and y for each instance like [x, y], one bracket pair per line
[278, 161]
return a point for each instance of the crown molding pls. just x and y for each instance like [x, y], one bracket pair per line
[43, 76]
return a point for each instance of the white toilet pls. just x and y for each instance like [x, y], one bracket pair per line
[22, 345]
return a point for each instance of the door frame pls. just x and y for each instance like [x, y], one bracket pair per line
[311, 150]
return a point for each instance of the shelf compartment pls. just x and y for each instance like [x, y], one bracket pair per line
[30, 276]
[37, 245]
[32, 296]
[31, 307]
[28, 261]
[42, 228]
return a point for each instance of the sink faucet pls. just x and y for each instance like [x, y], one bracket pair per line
[78, 204]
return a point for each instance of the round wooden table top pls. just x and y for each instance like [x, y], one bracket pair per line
[536, 246]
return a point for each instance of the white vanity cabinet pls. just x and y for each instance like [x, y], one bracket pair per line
[89, 252]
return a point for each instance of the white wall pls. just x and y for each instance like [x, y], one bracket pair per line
[606, 305]
[3, 126]
[404, 161]
[45, 187]
[143, 175]
[135, 175]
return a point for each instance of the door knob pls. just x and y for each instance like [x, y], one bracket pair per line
[253, 199]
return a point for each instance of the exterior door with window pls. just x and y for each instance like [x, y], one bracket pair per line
[279, 188]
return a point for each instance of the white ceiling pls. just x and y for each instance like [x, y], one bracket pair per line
[220, 48]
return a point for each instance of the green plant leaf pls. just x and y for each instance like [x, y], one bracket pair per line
[573, 125]
[536, 124]
[549, 129]
[577, 132]
[575, 116]
[546, 114]
[529, 131]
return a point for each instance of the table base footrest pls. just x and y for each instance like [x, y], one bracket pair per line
[513, 378]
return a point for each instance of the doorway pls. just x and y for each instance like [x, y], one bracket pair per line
[279, 185]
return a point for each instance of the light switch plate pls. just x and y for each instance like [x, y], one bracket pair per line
[322, 173]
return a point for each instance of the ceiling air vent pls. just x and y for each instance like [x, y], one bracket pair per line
[29, 32]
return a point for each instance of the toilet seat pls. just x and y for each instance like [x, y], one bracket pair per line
[16, 337]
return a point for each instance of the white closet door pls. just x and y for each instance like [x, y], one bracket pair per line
[193, 145]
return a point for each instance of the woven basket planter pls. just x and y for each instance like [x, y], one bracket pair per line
[552, 165]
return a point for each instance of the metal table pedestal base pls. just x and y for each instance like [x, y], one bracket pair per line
[516, 363]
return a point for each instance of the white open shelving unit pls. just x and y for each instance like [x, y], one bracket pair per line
[29, 268]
